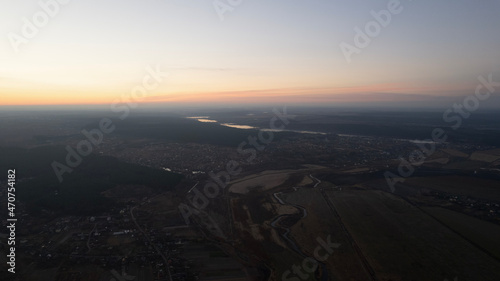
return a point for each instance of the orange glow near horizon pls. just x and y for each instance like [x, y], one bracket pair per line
[50, 99]
[368, 93]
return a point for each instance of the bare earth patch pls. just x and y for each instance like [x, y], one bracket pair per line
[263, 181]
[486, 156]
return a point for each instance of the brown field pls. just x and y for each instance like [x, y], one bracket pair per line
[306, 181]
[264, 181]
[485, 156]
[465, 165]
[482, 233]
[269, 179]
[456, 153]
[244, 225]
[320, 222]
[439, 161]
[356, 170]
[401, 242]
[252, 215]
[493, 152]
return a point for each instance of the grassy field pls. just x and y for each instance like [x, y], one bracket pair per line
[401, 242]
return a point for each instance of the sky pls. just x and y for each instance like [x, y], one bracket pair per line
[257, 51]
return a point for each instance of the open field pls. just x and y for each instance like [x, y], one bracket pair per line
[321, 222]
[403, 243]
[481, 233]
[467, 165]
[438, 160]
[253, 213]
[356, 170]
[486, 156]
[455, 153]
[305, 181]
[264, 182]
[269, 179]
